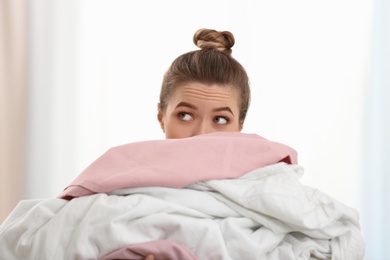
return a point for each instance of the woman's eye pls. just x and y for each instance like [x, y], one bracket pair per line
[185, 116]
[220, 120]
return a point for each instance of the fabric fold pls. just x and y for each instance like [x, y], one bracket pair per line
[177, 163]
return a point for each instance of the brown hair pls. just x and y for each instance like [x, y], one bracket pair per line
[212, 64]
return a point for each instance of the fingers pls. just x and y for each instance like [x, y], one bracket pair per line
[150, 257]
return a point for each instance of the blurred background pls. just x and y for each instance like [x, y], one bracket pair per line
[80, 76]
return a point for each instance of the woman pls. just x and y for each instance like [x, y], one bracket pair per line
[204, 91]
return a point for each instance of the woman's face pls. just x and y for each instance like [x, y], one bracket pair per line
[196, 109]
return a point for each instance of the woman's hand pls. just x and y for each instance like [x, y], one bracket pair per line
[150, 257]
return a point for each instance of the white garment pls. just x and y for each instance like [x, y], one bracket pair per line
[265, 214]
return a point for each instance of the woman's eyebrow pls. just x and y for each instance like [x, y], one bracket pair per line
[219, 109]
[185, 104]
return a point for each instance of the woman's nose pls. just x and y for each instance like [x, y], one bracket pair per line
[203, 128]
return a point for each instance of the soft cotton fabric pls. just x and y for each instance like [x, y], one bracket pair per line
[215, 196]
[265, 214]
[178, 162]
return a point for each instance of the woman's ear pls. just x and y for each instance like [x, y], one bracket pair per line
[160, 117]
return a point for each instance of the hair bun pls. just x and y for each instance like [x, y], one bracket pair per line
[212, 39]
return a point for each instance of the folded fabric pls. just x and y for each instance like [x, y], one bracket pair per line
[177, 163]
[265, 214]
[160, 249]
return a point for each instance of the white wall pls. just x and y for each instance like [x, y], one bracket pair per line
[96, 69]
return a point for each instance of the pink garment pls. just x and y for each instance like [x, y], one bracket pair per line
[177, 163]
[161, 249]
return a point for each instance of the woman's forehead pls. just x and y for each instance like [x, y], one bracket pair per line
[199, 91]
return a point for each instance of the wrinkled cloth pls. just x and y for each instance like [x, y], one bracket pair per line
[160, 249]
[264, 214]
[177, 163]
